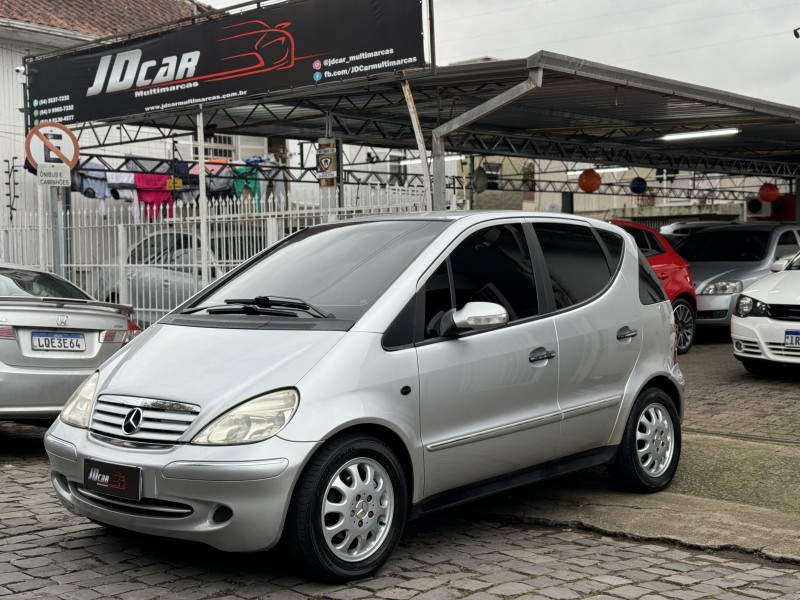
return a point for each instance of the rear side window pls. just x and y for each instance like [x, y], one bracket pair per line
[646, 241]
[575, 260]
[650, 289]
[614, 244]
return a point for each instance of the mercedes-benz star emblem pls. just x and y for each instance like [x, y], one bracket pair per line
[132, 422]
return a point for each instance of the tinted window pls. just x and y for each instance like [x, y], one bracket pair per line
[491, 265]
[787, 244]
[614, 244]
[650, 289]
[341, 268]
[576, 262]
[725, 246]
[19, 282]
[646, 241]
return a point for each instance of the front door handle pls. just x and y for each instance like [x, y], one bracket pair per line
[546, 355]
[626, 332]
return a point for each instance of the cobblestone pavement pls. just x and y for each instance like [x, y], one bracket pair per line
[723, 398]
[45, 552]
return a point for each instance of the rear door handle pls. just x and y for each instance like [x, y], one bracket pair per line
[546, 355]
[626, 332]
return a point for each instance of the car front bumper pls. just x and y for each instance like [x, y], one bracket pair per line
[762, 338]
[230, 497]
[715, 309]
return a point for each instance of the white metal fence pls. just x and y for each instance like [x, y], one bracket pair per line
[155, 261]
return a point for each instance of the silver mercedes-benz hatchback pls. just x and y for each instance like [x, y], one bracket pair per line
[361, 373]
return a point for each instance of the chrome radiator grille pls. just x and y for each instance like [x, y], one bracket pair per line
[142, 419]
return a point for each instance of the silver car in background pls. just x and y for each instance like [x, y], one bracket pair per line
[726, 260]
[361, 373]
[52, 337]
[161, 271]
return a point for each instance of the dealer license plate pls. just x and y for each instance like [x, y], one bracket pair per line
[791, 338]
[113, 480]
[47, 340]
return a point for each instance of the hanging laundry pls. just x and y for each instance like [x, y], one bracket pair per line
[122, 185]
[246, 184]
[152, 190]
[219, 184]
[94, 183]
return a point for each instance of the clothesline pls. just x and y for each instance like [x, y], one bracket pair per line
[248, 182]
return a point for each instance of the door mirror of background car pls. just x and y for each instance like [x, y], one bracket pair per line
[780, 264]
[475, 316]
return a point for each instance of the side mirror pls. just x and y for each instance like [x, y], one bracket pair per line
[778, 265]
[475, 316]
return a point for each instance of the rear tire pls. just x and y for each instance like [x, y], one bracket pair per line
[684, 325]
[348, 510]
[651, 444]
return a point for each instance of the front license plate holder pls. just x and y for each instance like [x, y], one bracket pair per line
[791, 339]
[122, 481]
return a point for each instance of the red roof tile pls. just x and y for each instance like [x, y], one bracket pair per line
[95, 18]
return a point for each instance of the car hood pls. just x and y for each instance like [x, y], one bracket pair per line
[778, 288]
[704, 273]
[212, 367]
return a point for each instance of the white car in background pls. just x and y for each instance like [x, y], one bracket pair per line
[765, 326]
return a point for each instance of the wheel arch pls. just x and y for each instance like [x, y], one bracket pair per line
[384, 434]
[669, 388]
[688, 298]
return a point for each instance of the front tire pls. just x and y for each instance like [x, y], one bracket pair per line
[348, 510]
[651, 444]
[684, 325]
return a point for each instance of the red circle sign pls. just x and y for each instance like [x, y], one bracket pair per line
[51, 142]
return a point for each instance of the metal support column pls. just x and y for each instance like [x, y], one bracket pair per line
[201, 163]
[533, 81]
[423, 154]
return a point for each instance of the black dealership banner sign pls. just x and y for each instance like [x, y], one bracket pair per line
[262, 51]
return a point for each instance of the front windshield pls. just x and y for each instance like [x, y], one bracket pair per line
[21, 282]
[725, 246]
[341, 268]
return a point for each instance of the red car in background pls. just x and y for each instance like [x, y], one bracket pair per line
[675, 276]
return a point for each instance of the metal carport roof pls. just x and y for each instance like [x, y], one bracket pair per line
[582, 111]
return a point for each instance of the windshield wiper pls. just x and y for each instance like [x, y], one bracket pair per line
[281, 302]
[263, 305]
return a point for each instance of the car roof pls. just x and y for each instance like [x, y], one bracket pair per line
[753, 226]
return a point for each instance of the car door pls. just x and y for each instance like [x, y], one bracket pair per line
[488, 399]
[597, 320]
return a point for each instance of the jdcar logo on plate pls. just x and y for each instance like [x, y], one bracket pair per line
[132, 422]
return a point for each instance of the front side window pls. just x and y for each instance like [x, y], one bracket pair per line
[575, 260]
[787, 244]
[341, 268]
[490, 265]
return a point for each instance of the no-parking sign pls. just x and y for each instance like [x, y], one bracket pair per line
[51, 143]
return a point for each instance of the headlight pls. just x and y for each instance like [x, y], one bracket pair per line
[723, 287]
[747, 306]
[253, 421]
[78, 408]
